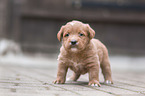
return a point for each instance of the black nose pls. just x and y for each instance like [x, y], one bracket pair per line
[73, 42]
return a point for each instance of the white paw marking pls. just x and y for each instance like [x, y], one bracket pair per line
[94, 85]
[108, 82]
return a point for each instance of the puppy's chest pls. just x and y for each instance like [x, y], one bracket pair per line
[77, 66]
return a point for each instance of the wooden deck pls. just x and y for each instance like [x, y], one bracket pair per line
[34, 81]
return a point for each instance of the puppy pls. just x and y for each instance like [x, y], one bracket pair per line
[82, 54]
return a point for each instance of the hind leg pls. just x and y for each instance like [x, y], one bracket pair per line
[106, 70]
[74, 77]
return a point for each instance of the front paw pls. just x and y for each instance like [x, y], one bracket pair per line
[59, 81]
[94, 83]
[108, 82]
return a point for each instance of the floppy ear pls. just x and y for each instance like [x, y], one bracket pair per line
[91, 32]
[60, 33]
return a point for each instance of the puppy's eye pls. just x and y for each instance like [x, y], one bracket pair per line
[67, 35]
[81, 34]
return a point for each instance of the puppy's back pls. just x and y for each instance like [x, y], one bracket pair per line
[100, 48]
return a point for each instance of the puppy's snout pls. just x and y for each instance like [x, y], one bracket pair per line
[73, 42]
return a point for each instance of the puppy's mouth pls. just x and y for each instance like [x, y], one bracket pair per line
[73, 48]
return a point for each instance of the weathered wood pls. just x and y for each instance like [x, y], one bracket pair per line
[33, 81]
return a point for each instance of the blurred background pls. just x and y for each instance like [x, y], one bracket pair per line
[30, 27]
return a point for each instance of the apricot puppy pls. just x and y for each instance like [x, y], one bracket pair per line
[82, 54]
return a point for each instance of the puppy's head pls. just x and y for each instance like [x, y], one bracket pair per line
[75, 35]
